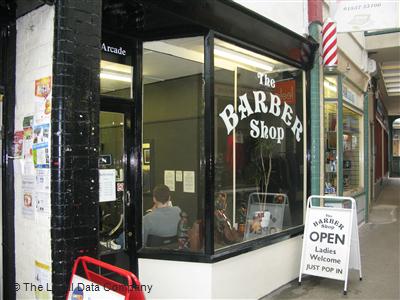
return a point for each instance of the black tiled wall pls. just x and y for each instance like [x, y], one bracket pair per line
[75, 136]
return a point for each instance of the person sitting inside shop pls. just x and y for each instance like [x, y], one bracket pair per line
[161, 224]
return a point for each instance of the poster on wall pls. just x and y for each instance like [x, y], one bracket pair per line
[169, 179]
[28, 137]
[18, 143]
[107, 188]
[28, 206]
[42, 202]
[179, 176]
[42, 279]
[286, 90]
[42, 100]
[43, 180]
[189, 182]
[40, 147]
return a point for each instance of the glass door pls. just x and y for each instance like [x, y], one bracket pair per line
[116, 217]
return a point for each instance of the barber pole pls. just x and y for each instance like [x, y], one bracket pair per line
[329, 44]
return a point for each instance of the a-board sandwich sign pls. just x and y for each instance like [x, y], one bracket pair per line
[330, 242]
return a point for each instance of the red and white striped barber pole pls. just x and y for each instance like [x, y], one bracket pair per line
[329, 44]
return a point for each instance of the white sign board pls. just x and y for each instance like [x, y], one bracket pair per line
[83, 289]
[107, 187]
[329, 234]
[365, 15]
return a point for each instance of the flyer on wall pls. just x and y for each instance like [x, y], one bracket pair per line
[28, 206]
[43, 180]
[40, 148]
[42, 100]
[42, 279]
[42, 202]
[18, 143]
[28, 137]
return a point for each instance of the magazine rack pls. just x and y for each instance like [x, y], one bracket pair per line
[267, 213]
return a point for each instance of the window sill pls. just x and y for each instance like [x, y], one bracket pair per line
[222, 254]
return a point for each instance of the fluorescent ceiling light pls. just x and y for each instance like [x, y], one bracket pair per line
[390, 65]
[231, 55]
[391, 77]
[111, 66]
[330, 86]
[115, 76]
[393, 80]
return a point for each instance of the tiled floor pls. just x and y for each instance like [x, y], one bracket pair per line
[380, 255]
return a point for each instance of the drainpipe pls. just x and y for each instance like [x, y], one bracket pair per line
[366, 155]
[315, 26]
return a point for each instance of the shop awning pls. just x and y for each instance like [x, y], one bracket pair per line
[152, 19]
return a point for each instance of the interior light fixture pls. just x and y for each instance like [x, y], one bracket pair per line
[231, 55]
[115, 76]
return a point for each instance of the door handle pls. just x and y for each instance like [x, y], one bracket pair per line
[128, 198]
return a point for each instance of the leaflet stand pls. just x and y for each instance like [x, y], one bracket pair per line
[330, 243]
[96, 286]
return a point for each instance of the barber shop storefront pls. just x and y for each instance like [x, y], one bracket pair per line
[209, 100]
[224, 127]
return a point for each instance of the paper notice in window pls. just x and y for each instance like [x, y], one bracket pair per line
[179, 175]
[169, 179]
[107, 185]
[189, 182]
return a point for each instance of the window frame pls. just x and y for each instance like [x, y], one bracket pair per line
[207, 166]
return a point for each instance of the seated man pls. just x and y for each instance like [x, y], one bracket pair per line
[163, 220]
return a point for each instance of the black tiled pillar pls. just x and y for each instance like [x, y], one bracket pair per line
[75, 136]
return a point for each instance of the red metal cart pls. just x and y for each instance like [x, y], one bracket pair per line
[94, 286]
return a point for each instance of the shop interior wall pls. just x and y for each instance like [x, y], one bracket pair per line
[174, 135]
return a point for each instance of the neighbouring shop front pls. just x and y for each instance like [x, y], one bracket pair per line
[345, 123]
[206, 98]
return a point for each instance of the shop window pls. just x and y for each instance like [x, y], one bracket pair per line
[330, 87]
[396, 148]
[331, 154]
[173, 106]
[115, 79]
[259, 142]
[352, 151]
[351, 96]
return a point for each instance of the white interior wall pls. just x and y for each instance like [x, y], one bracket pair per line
[34, 57]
